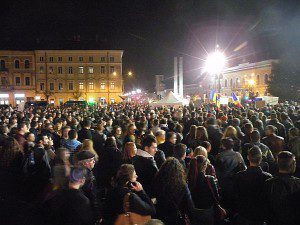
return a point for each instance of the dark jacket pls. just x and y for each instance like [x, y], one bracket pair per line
[99, 141]
[139, 203]
[84, 134]
[275, 143]
[278, 191]
[146, 169]
[280, 127]
[167, 147]
[266, 152]
[214, 135]
[159, 158]
[68, 207]
[249, 190]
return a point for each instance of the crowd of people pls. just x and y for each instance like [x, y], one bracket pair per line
[189, 165]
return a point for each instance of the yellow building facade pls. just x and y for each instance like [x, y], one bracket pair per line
[62, 75]
[247, 76]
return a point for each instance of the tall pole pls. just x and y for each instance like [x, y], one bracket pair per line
[175, 76]
[180, 77]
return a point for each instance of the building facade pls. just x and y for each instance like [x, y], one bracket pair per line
[62, 75]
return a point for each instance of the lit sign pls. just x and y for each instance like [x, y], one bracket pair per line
[4, 96]
[19, 95]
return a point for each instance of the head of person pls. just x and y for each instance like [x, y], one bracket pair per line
[73, 134]
[30, 137]
[180, 151]
[206, 145]
[192, 132]
[198, 165]
[10, 149]
[77, 177]
[129, 150]
[131, 129]
[248, 128]
[211, 121]
[170, 178]
[179, 128]
[227, 143]
[200, 150]
[86, 159]
[43, 139]
[201, 133]
[110, 142]
[34, 124]
[22, 128]
[125, 174]
[230, 132]
[50, 128]
[62, 154]
[86, 124]
[149, 144]
[155, 122]
[65, 133]
[117, 131]
[286, 162]
[255, 136]
[160, 136]
[171, 137]
[254, 156]
[4, 129]
[236, 122]
[270, 130]
[294, 132]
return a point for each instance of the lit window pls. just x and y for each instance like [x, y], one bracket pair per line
[80, 86]
[17, 64]
[102, 86]
[102, 69]
[27, 64]
[80, 69]
[91, 59]
[51, 86]
[60, 70]
[102, 59]
[70, 70]
[91, 85]
[112, 69]
[27, 81]
[91, 69]
[71, 86]
[18, 81]
[51, 59]
[80, 58]
[112, 59]
[42, 86]
[41, 69]
[60, 59]
[112, 85]
[60, 86]
[112, 100]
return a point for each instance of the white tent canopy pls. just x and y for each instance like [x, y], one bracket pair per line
[169, 100]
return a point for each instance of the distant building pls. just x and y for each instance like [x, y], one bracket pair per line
[61, 75]
[159, 83]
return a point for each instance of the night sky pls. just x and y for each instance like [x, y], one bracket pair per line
[152, 32]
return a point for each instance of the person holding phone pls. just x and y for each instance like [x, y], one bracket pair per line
[126, 182]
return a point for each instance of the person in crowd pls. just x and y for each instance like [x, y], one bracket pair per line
[34, 128]
[249, 189]
[179, 133]
[50, 131]
[69, 206]
[11, 155]
[231, 132]
[130, 134]
[236, 124]
[168, 146]
[280, 188]
[88, 145]
[20, 136]
[155, 126]
[145, 164]
[248, 128]
[210, 169]
[160, 136]
[191, 136]
[214, 134]
[204, 190]
[286, 121]
[117, 133]
[127, 186]
[129, 152]
[99, 137]
[279, 126]
[180, 154]
[164, 125]
[174, 201]
[61, 169]
[3, 134]
[201, 135]
[85, 132]
[275, 143]
[108, 127]
[72, 144]
[65, 135]
[294, 147]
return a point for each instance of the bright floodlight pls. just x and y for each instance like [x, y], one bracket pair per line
[138, 91]
[251, 82]
[215, 63]
[133, 92]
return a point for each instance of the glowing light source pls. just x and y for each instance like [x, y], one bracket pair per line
[91, 100]
[115, 73]
[130, 73]
[138, 91]
[251, 82]
[215, 63]
[37, 97]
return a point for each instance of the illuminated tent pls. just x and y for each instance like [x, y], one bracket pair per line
[169, 100]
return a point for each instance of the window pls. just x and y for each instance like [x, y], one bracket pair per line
[41, 69]
[80, 86]
[51, 69]
[102, 86]
[60, 86]
[102, 59]
[51, 59]
[17, 64]
[18, 81]
[51, 86]
[266, 78]
[80, 69]
[91, 69]
[2, 64]
[102, 69]
[91, 59]
[42, 86]
[70, 59]
[91, 85]
[70, 70]
[59, 59]
[112, 69]
[27, 64]
[112, 100]
[60, 70]
[225, 83]
[112, 85]
[257, 79]
[237, 82]
[41, 59]
[112, 59]
[27, 81]
[71, 86]
[80, 58]
[230, 82]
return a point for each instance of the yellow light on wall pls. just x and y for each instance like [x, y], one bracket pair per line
[115, 73]
[251, 82]
[91, 100]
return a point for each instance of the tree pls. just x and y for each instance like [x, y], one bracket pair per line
[285, 81]
[47, 94]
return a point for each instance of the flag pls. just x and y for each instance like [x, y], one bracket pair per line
[236, 100]
[211, 95]
[215, 98]
[218, 103]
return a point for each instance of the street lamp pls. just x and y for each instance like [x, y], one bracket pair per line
[130, 73]
[215, 64]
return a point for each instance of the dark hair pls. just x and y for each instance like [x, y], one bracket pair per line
[205, 144]
[271, 128]
[197, 165]
[77, 174]
[227, 143]
[286, 161]
[124, 174]
[72, 134]
[110, 143]
[255, 155]
[21, 125]
[169, 135]
[255, 136]
[86, 123]
[148, 140]
[10, 149]
[204, 135]
[179, 150]
[294, 131]
[170, 179]
[33, 124]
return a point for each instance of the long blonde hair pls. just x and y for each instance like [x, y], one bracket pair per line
[88, 145]
[230, 132]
